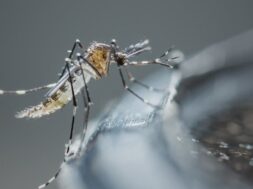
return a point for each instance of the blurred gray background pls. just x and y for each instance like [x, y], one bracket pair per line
[35, 36]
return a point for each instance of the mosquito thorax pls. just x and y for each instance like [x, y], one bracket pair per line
[98, 55]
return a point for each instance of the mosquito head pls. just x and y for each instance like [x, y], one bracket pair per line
[120, 58]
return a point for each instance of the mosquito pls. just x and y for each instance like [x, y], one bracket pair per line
[90, 63]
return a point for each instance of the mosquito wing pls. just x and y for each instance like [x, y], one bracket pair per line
[58, 96]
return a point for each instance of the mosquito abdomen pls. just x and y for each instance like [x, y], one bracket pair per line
[44, 108]
[56, 100]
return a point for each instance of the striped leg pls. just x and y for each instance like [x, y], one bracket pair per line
[167, 59]
[53, 178]
[87, 104]
[134, 80]
[114, 50]
[74, 110]
[71, 52]
[134, 93]
[137, 48]
[71, 133]
[26, 91]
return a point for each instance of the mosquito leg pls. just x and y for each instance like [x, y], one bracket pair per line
[26, 91]
[168, 62]
[52, 178]
[77, 43]
[87, 104]
[134, 80]
[71, 131]
[86, 112]
[134, 93]
[114, 51]
[71, 52]
[137, 48]
[74, 109]
[85, 125]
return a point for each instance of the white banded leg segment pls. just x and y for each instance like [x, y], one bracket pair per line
[71, 131]
[134, 93]
[52, 178]
[142, 99]
[134, 80]
[76, 43]
[26, 91]
[85, 126]
[138, 52]
[87, 104]
[86, 112]
[71, 52]
[136, 47]
[169, 59]
[74, 100]
[143, 63]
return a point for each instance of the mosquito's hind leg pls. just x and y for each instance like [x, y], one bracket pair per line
[87, 104]
[26, 91]
[119, 64]
[77, 43]
[137, 48]
[74, 100]
[169, 59]
[52, 178]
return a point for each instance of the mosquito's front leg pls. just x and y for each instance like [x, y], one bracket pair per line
[131, 78]
[52, 178]
[168, 59]
[137, 48]
[133, 92]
